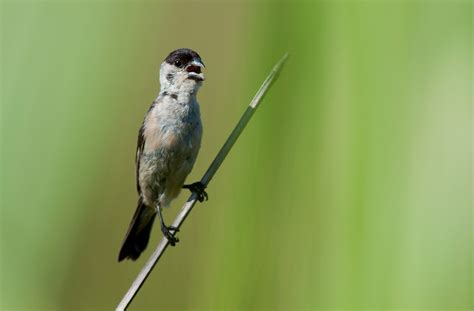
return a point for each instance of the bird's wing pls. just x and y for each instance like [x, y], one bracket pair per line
[140, 146]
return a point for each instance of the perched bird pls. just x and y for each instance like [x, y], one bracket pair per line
[168, 143]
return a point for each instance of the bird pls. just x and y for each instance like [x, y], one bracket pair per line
[168, 143]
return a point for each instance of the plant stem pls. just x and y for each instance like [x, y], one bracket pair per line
[188, 206]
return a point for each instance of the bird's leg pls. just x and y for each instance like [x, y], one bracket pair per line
[166, 230]
[198, 188]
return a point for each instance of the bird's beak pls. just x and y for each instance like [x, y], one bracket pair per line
[194, 70]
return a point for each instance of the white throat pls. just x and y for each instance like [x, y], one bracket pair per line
[177, 82]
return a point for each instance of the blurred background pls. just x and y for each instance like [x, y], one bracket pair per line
[351, 188]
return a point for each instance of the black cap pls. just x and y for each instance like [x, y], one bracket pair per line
[182, 57]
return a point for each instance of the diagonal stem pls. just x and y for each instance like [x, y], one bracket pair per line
[188, 206]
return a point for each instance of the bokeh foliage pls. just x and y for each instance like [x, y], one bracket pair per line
[349, 190]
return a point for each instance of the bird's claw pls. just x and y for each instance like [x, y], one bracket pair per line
[198, 189]
[171, 238]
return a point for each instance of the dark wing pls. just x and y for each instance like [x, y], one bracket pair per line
[140, 146]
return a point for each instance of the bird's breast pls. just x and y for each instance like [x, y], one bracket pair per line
[174, 127]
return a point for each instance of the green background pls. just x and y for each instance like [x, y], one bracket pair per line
[350, 189]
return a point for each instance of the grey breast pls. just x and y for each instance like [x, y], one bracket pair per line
[173, 134]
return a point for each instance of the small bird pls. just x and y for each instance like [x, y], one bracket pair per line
[168, 144]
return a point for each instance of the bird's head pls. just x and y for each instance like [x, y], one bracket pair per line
[181, 71]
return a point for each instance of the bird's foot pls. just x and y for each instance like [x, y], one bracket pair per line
[171, 238]
[198, 189]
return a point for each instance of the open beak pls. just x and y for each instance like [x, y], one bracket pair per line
[194, 70]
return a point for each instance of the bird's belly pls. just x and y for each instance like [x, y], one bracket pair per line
[164, 167]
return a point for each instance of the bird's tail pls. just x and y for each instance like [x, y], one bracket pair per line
[138, 233]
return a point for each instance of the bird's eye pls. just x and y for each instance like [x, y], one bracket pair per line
[178, 63]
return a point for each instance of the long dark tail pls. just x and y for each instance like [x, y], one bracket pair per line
[138, 233]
